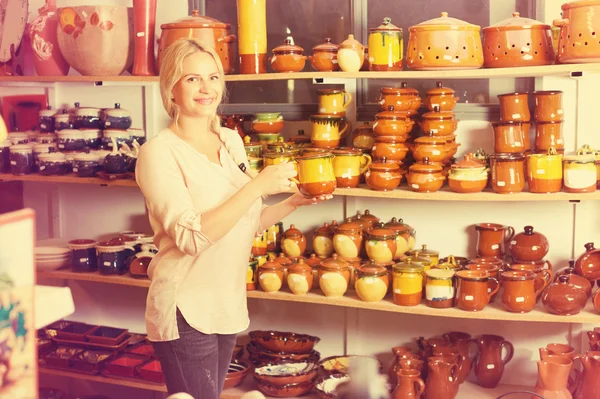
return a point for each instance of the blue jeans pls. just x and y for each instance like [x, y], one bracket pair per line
[196, 363]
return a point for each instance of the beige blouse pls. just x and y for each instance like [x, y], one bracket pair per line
[205, 280]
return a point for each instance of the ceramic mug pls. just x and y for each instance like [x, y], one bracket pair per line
[83, 255]
[326, 131]
[472, 290]
[519, 290]
[112, 257]
[348, 165]
[315, 174]
[333, 102]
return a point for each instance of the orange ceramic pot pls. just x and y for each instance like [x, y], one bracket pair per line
[578, 40]
[270, 275]
[402, 99]
[293, 243]
[380, 243]
[441, 98]
[347, 239]
[371, 282]
[324, 57]
[548, 106]
[392, 123]
[425, 177]
[383, 176]
[472, 289]
[444, 43]
[348, 166]
[436, 149]
[548, 135]
[519, 290]
[514, 107]
[407, 283]
[300, 278]
[334, 276]
[288, 58]
[323, 241]
[327, 130]
[508, 137]
[545, 172]
[315, 174]
[390, 148]
[363, 137]
[541, 269]
[468, 175]
[517, 42]
[441, 123]
[492, 239]
[508, 173]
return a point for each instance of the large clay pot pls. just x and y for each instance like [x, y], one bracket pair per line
[252, 31]
[564, 298]
[144, 23]
[519, 290]
[96, 40]
[491, 239]
[589, 386]
[489, 364]
[47, 58]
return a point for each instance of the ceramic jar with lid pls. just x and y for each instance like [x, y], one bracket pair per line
[323, 241]
[288, 58]
[563, 298]
[440, 123]
[392, 123]
[253, 150]
[300, 278]
[441, 98]
[475, 289]
[439, 288]
[349, 165]
[424, 252]
[380, 243]
[579, 173]
[587, 264]
[112, 256]
[514, 107]
[444, 43]
[324, 57]
[392, 148]
[545, 172]
[348, 238]
[576, 279]
[53, 163]
[435, 149]
[351, 55]
[509, 137]
[425, 177]
[403, 237]
[407, 283]
[121, 137]
[270, 275]
[274, 234]
[286, 263]
[17, 138]
[46, 120]
[259, 245]
[87, 118]
[578, 40]
[293, 243]
[371, 282]
[92, 138]
[468, 175]
[314, 262]
[334, 276]
[21, 159]
[403, 99]
[383, 176]
[529, 245]
[70, 140]
[508, 173]
[517, 42]
[385, 47]
[363, 137]
[116, 118]
[368, 218]
[62, 120]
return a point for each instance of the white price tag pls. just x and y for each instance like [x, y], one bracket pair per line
[520, 299]
[501, 184]
[541, 171]
[140, 34]
[107, 264]
[13, 162]
[414, 185]
[436, 152]
[469, 297]
[516, 116]
[83, 260]
[495, 246]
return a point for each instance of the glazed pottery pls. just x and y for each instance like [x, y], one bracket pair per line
[385, 47]
[492, 239]
[489, 363]
[542, 268]
[440, 98]
[363, 137]
[403, 99]
[392, 148]
[508, 173]
[579, 173]
[371, 282]
[508, 137]
[472, 289]
[300, 278]
[380, 243]
[563, 298]
[252, 36]
[517, 42]
[83, 255]
[324, 57]
[392, 122]
[284, 342]
[333, 102]
[579, 26]
[425, 177]
[444, 43]
[288, 373]
[545, 172]
[323, 241]
[589, 387]
[47, 58]
[209, 31]
[428, 146]
[403, 236]
[351, 55]
[347, 240]
[327, 130]
[439, 288]
[315, 175]
[21, 159]
[442, 379]
[259, 245]
[410, 385]
[270, 275]
[519, 290]
[96, 40]
[529, 245]
[440, 123]
[383, 176]
[548, 106]
[431, 255]
[293, 243]
[514, 107]
[267, 122]
[334, 276]
[407, 283]
[468, 175]
[553, 378]
[370, 219]
[548, 135]
[560, 350]
[576, 279]
[463, 342]
[288, 58]
[144, 25]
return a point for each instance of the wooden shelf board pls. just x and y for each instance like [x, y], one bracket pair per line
[483, 73]
[494, 311]
[403, 192]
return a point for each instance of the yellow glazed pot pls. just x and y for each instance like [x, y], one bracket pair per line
[315, 174]
[385, 47]
[326, 132]
[407, 283]
[333, 102]
[348, 165]
[545, 172]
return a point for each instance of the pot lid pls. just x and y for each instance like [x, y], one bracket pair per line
[423, 252]
[408, 266]
[314, 260]
[369, 217]
[445, 22]
[300, 267]
[398, 226]
[468, 162]
[351, 43]
[417, 260]
[70, 134]
[384, 166]
[450, 263]
[381, 232]
[49, 112]
[349, 225]
[283, 260]
[436, 114]
[305, 157]
[63, 116]
[22, 148]
[89, 157]
[372, 269]
[324, 230]
[116, 133]
[440, 274]
[507, 157]
[516, 22]
[440, 90]
[301, 138]
[387, 26]
[334, 262]
[271, 264]
[117, 112]
[431, 139]
[391, 114]
[348, 151]
[87, 111]
[292, 232]
[425, 167]
[195, 21]
[52, 157]
[288, 48]
[326, 47]
[403, 89]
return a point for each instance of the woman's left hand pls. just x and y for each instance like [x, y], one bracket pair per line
[298, 199]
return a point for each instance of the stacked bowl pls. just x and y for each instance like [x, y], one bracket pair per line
[49, 258]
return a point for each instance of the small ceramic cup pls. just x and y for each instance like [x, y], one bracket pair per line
[83, 255]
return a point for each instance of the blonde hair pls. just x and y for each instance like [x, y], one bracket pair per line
[171, 70]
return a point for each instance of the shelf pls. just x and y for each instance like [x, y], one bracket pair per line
[483, 73]
[52, 304]
[445, 194]
[494, 311]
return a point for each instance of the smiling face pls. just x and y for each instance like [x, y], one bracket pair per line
[200, 90]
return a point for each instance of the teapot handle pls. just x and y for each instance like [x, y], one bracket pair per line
[347, 99]
[510, 351]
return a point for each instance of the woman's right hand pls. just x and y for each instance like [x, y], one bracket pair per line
[275, 179]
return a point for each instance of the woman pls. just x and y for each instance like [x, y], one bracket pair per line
[204, 211]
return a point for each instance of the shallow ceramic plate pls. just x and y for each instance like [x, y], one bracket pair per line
[51, 251]
[285, 369]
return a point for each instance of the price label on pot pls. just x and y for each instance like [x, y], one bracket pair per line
[560, 111]
[140, 34]
[436, 152]
[415, 185]
[525, 49]
[495, 246]
[513, 242]
[516, 116]
[447, 57]
[83, 260]
[490, 366]
[61, 146]
[107, 263]
[501, 184]
[75, 170]
[559, 141]
[469, 297]
[517, 144]
[520, 299]
[541, 171]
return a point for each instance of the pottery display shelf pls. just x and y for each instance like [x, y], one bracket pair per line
[484, 73]
[403, 192]
[494, 311]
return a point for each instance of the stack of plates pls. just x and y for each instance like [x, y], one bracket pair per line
[48, 258]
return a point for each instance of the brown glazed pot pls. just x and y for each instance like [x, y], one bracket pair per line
[589, 386]
[402, 99]
[410, 385]
[392, 123]
[462, 342]
[442, 379]
[425, 177]
[563, 298]
[529, 245]
[293, 243]
[519, 293]
[514, 107]
[288, 58]
[441, 123]
[508, 137]
[392, 148]
[548, 135]
[347, 239]
[508, 173]
[383, 176]
[548, 106]
[492, 239]
[542, 268]
[324, 57]
[576, 279]
[441, 98]
[472, 291]
[323, 241]
[489, 364]
[588, 264]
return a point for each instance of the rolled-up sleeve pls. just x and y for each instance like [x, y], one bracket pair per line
[168, 200]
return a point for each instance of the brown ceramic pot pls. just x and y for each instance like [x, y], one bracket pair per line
[436, 149]
[542, 268]
[548, 135]
[288, 58]
[519, 293]
[392, 148]
[576, 279]
[472, 291]
[383, 176]
[508, 137]
[442, 379]
[334, 276]
[529, 245]
[410, 385]
[563, 298]
[514, 107]
[324, 57]
[492, 239]
[441, 98]
[548, 106]
[463, 342]
[293, 243]
[270, 275]
[588, 264]
[402, 99]
[489, 363]
[425, 177]
[562, 350]
[441, 123]
[323, 241]
[347, 239]
[392, 123]
[589, 386]
[300, 278]
[508, 173]
[380, 243]
[363, 137]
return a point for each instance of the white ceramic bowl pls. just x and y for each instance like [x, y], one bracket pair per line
[51, 252]
[51, 265]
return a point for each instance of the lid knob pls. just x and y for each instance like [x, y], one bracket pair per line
[528, 230]
[77, 105]
[436, 108]
[438, 84]
[288, 41]
[300, 132]
[247, 140]
[404, 85]
[195, 13]
[564, 279]
[387, 20]
[49, 107]
[589, 246]
[571, 263]
[117, 105]
[391, 108]
[516, 14]
[425, 160]
[383, 160]
[444, 14]
[328, 40]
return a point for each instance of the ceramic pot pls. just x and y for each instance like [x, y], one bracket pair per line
[383, 176]
[557, 350]
[579, 173]
[548, 106]
[440, 123]
[508, 173]
[270, 275]
[252, 36]
[392, 148]
[545, 172]
[468, 175]
[288, 58]
[368, 219]
[323, 241]
[293, 243]
[371, 282]
[425, 177]
[385, 47]
[576, 279]
[53, 164]
[315, 175]
[429, 254]
[514, 107]
[144, 25]
[407, 283]
[444, 43]
[96, 40]
[508, 137]
[492, 239]
[402, 355]
[334, 276]
[403, 237]
[519, 290]
[403, 99]
[300, 278]
[333, 102]
[441, 98]
[363, 137]
[529, 245]
[348, 238]
[542, 268]
[47, 58]
[115, 118]
[439, 288]
[392, 122]
[259, 245]
[324, 57]
[442, 379]
[472, 289]
[589, 386]
[578, 40]
[587, 264]
[563, 298]
[351, 55]
[489, 363]
[410, 385]
[209, 31]
[517, 42]
[548, 135]
[327, 130]
[380, 243]
[463, 342]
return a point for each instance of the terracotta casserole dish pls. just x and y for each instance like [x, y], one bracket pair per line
[579, 39]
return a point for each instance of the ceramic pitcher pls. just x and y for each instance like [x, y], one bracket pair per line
[492, 239]
[442, 380]
[553, 377]
[589, 386]
[463, 342]
[489, 364]
[409, 386]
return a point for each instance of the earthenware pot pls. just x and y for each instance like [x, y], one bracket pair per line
[351, 55]
[588, 264]
[383, 176]
[519, 290]
[509, 137]
[327, 130]
[508, 173]
[579, 26]
[293, 243]
[472, 289]
[548, 106]
[407, 283]
[315, 174]
[441, 98]
[334, 276]
[324, 57]
[348, 238]
[385, 47]
[514, 107]
[348, 166]
[564, 298]
[288, 58]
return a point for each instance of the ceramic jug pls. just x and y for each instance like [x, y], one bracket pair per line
[326, 131]
[489, 364]
[553, 377]
[589, 386]
[442, 380]
[400, 353]
[315, 174]
[492, 239]
[463, 342]
[409, 386]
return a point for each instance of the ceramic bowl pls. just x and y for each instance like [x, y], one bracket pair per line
[274, 126]
[285, 342]
[259, 356]
[284, 391]
[286, 373]
[238, 370]
[336, 365]
[326, 386]
[52, 264]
